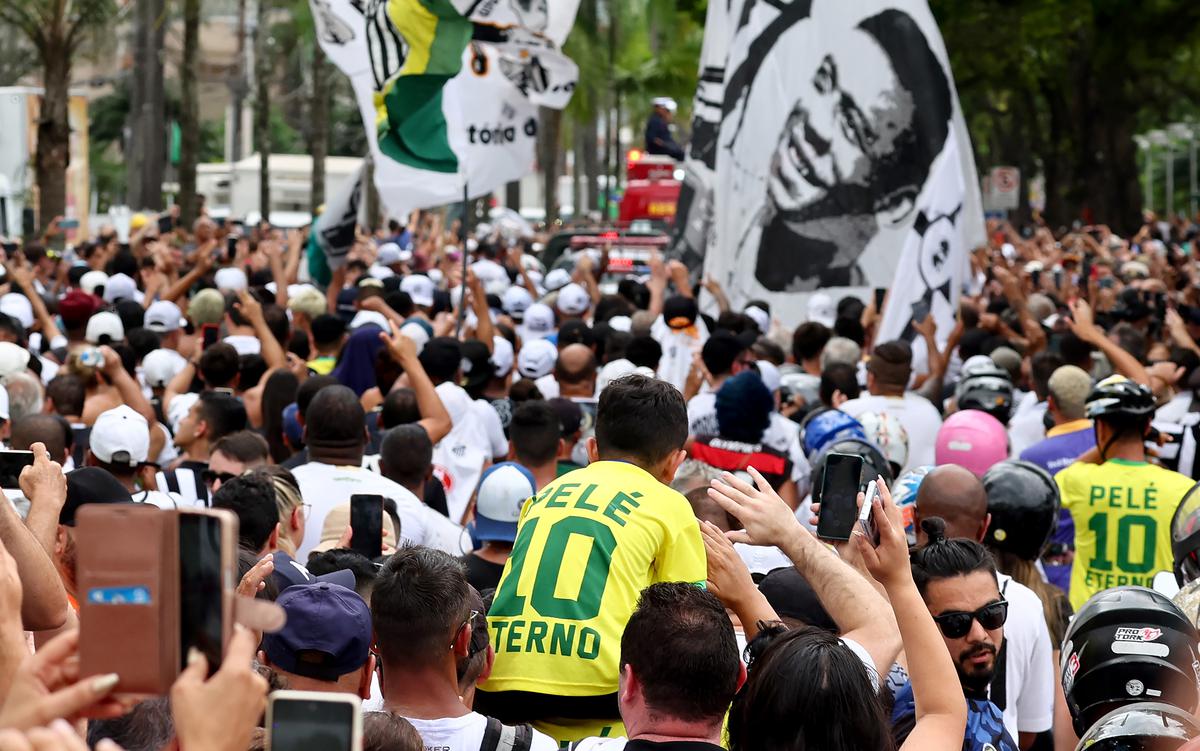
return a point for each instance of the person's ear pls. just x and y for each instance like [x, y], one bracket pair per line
[462, 643]
[364, 679]
[273, 538]
[562, 447]
[512, 452]
[593, 451]
[201, 429]
[628, 687]
[983, 528]
[741, 676]
[60, 540]
[488, 662]
[296, 520]
[893, 210]
[262, 659]
[672, 465]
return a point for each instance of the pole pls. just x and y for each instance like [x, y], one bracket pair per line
[1149, 177]
[462, 242]
[1192, 174]
[1170, 202]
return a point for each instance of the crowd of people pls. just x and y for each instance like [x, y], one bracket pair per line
[603, 492]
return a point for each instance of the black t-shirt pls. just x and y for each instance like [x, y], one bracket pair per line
[482, 574]
[640, 745]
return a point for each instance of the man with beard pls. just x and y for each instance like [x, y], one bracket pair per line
[852, 154]
[957, 581]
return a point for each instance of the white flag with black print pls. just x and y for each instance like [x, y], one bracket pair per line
[839, 122]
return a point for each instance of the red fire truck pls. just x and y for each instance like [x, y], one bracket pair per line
[651, 189]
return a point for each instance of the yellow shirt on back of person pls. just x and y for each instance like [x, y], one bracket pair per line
[1122, 512]
[586, 546]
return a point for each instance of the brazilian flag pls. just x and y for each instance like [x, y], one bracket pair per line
[411, 123]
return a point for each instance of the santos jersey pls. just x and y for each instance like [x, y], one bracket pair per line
[1122, 512]
[586, 546]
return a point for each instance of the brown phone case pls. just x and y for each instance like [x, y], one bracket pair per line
[128, 585]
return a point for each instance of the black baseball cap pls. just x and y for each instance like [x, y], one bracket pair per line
[90, 485]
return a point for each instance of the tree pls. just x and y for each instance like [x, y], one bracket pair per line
[146, 151]
[319, 115]
[56, 29]
[189, 112]
[262, 107]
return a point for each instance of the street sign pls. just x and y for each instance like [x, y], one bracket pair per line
[1006, 188]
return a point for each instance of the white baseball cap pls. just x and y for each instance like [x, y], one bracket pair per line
[557, 279]
[417, 333]
[760, 317]
[164, 317]
[620, 323]
[769, 374]
[573, 300]
[538, 322]
[13, 359]
[516, 301]
[180, 406]
[121, 436]
[104, 323]
[369, 317]
[389, 253]
[619, 369]
[821, 309]
[230, 279]
[502, 356]
[665, 102]
[160, 366]
[17, 306]
[502, 493]
[3, 403]
[91, 280]
[537, 359]
[379, 273]
[419, 288]
[121, 287]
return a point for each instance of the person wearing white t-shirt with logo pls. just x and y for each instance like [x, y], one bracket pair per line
[336, 437]
[888, 373]
[423, 621]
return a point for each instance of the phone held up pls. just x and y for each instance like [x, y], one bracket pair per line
[841, 482]
[313, 721]
[366, 521]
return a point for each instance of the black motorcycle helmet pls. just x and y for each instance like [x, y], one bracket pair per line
[1128, 645]
[1123, 405]
[874, 463]
[987, 389]
[1149, 726]
[1023, 501]
[1185, 538]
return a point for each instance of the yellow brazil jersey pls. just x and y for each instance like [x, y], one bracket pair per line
[1122, 512]
[586, 546]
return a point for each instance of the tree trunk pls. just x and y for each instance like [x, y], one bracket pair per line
[591, 163]
[512, 195]
[135, 155]
[154, 111]
[262, 108]
[189, 113]
[371, 199]
[549, 136]
[53, 134]
[238, 87]
[319, 148]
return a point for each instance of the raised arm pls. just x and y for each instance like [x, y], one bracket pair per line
[44, 605]
[202, 262]
[22, 276]
[859, 611]
[941, 708]
[484, 331]
[730, 580]
[126, 386]
[1083, 324]
[251, 310]
[434, 417]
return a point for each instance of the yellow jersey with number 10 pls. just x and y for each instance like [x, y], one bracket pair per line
[586, 546]
[1122, 512]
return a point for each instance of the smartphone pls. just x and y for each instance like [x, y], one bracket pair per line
[313, 721]
[1036, 276]
[840, 484]
[9, 248]
[880, 293]
[69, 224]
[231, 246]
[866, 522]
[11, 464]
[207, 569]
[165, 224]
[366, 519]
[211, 333]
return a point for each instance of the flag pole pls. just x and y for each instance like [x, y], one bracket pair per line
[462, 242]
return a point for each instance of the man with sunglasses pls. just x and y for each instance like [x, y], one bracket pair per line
[957, 581]
[425, 621]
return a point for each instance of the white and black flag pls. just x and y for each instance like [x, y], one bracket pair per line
[838, 156]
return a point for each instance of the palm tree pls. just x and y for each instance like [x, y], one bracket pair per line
[262, 107]
[189, 113]
[146, 150]
[56, 29]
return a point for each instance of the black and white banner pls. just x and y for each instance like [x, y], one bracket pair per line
[837, 160]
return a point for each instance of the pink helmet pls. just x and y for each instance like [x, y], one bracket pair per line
[972, 439]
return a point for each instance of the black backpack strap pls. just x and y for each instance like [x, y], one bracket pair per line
[201, 488]
[999, 688]
[522, 738]
[172, 480]
[491, 735]
[500, 737]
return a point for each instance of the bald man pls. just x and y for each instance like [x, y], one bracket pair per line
[575, 372]
[957, 496]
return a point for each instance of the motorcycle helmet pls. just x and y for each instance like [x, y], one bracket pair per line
[1023, 501]
[1128, 645]
[987, 389]
[904, 494]
[1185, 538]
[971, 439]
[826, 426]
[1150, 726]
[886, 432]
[1117, 397]
[874, 464]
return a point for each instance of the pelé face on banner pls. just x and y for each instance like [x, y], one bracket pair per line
[853, 152]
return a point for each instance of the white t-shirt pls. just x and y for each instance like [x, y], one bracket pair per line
[466, 734]
[761, 559]
[678, 347]
[1174, 410]
[489, 418]
[245, 345]
[547, 386]
[459, 458]
[1029, 662]
[920, 419]
[325, 486]
[1026, 428]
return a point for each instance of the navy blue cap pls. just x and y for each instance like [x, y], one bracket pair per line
[327, 634]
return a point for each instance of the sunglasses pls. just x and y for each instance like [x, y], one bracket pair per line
[957, 624]
[211, 477]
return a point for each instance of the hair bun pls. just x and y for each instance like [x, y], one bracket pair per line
[935, 528]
